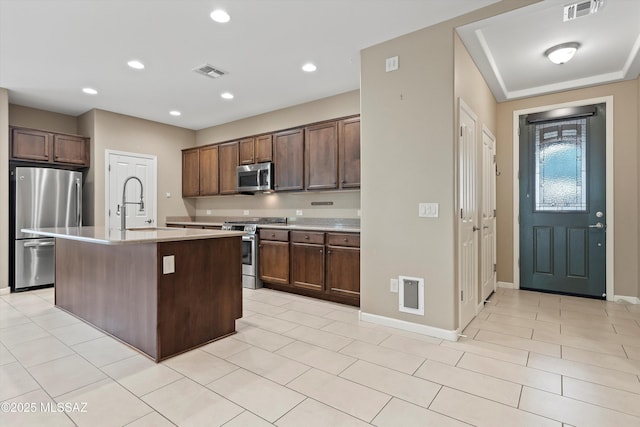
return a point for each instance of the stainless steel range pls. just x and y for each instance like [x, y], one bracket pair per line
[250, 262]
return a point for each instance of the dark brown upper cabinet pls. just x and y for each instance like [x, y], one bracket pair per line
[288, 156]
[190, 173]
[321, 156]
[349, 152]
[38, 146]
[209, 182]
[228, 164]
[264, 148]
[247, 151]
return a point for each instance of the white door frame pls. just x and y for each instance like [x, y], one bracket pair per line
[491, 197]
[608, 101]
[107, 181]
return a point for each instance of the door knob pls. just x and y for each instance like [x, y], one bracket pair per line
[597, 225]
[476, 228]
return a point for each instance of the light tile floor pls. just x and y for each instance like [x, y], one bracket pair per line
[528, 359]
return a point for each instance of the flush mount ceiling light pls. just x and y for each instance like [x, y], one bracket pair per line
[309, 67]
[89, 91]
[562, 53]
[220, 16]
[226, 95]
[135, 64]
[175, 113]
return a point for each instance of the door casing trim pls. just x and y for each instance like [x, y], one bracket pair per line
[608, 101]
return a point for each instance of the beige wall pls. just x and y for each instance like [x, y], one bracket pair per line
[125, 133]
[346, 204]
[43, 120]
[408, 128]
[4, 190]
[626, 179]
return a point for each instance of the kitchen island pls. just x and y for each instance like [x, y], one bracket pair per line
[162, 291]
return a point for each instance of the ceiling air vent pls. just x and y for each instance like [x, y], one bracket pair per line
[210, 71]
[583, 8]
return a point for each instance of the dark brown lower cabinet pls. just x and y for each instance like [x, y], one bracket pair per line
[305, 265]
[274, 256]
[343, 271]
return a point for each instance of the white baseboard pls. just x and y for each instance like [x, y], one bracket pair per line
[630, 300]
[409, 326]
[5, 291]
[507, 285]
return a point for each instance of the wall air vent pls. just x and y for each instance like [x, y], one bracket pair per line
[583, 8]
[210, 71]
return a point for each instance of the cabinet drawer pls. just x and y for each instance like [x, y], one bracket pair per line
[307, 237]
[343, 239]
[280, 235]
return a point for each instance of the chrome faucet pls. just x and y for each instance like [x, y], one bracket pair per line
[123, 207]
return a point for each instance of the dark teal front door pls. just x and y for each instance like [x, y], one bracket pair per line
[563, 201]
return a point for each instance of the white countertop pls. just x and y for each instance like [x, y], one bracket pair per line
[329, 228]
[108, 236]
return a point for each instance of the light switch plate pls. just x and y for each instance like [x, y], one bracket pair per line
[168, 264]
[299, 212]
[245, 212]
[428, 210]
[393, 286]
[391, 64]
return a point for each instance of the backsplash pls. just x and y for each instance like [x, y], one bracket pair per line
[327, 204]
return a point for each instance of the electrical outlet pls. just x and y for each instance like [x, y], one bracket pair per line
[208, 211]
[299, 212]
[168, 195]
[245, 212]
[359, 213]
[393, 286]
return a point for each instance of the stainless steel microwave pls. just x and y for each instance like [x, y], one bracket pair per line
[258, 177]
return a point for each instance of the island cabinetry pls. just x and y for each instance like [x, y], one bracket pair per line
[343, 265]
[191, 173]
[264, 148]
[47, 147]
[349, 152]
[307, 260]
[321, 156]
[288, 158]
[247, 151]
[228, 164]
[128, 291]
[274, 256]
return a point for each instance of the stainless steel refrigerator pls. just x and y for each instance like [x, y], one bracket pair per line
[41, 197]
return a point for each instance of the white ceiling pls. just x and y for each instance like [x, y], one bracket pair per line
[509, 48]
[51, 49]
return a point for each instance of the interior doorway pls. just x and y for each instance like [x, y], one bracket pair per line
[566, 250]
[120, 166]
[563, 201]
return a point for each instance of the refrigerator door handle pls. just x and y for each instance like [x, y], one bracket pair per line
[38, 245]
[79, 201]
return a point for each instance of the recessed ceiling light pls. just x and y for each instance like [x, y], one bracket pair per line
[309, 67]
[562, 53]
[89, 91]
[136, 64]
[227, 95]
[220, 16]
[175, 113]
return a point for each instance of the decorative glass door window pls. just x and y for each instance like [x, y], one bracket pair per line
[560, 166]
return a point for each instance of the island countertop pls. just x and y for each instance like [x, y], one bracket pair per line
[109, 236]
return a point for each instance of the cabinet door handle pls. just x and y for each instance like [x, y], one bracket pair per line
[345, 240]
[320, 250]
[306, 237]
[273, 235]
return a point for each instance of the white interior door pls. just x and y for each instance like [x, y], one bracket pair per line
[121, 166]
[488, 215]
[467, 218]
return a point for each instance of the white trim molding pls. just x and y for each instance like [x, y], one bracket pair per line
[608, 101]
[624, 298]
[506, 285]
[449, 335]
[5, 291]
